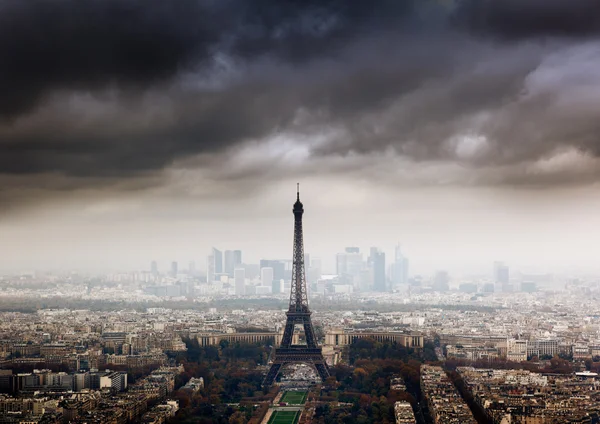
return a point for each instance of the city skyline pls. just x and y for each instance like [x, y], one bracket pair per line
[539, 246]
[198, 266]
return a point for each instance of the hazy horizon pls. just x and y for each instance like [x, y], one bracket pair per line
[462, 231]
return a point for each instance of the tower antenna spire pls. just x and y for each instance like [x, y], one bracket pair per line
[298, 190]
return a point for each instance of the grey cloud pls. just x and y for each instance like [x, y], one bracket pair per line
[48, 45]
[104, 90]
[519, 19]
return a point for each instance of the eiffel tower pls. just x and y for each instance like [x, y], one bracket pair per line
[298, 313]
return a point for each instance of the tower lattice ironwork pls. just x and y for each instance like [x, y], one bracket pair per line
[298, 314]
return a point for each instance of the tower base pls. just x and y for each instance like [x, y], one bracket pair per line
[297, 355]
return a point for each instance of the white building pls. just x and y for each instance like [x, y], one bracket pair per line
[114, 380]
[516, 350]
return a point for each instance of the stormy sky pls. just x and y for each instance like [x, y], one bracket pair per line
[467, 130]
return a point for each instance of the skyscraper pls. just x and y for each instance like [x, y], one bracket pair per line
[399, 269]
[237, 258]
[214, 265]
[441, 281]
[276, 286]
[228, 263]
[240, 281]
[232, 260]
[154, 268]
[192, 268]
[501, 273]
[377, 265]
[278, 268]
[252, 270]
[502, 277]
[218, 258]
[174, 269]
[349, 265]
[313, 273]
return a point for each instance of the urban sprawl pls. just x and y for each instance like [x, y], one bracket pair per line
[120, 348]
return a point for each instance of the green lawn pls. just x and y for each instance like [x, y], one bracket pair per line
[294, 398]
[284, 417]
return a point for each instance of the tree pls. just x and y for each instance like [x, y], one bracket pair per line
[237, 418]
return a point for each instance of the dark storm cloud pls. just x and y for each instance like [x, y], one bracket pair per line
[53, 48]
[518, 19]
[69, 44]
[104, 89]
[83, 45]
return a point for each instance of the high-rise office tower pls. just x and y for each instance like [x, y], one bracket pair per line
[228, 263]
[232, 260]
[313, 273]
[266, 277]
[239, 277]
[441, 281]
[502, 277]
[237, 258]
[501, 273]
[399, 269]
[252, 270]
[218, 258]
[278, 268]
[341, 263]
[349, 265]
[174, 269]
[154, 268]
[214, 265]
[316, 264]
[192, 268]
[276, 287]
[377, 264]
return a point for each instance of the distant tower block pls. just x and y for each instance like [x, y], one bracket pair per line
[298, 313]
